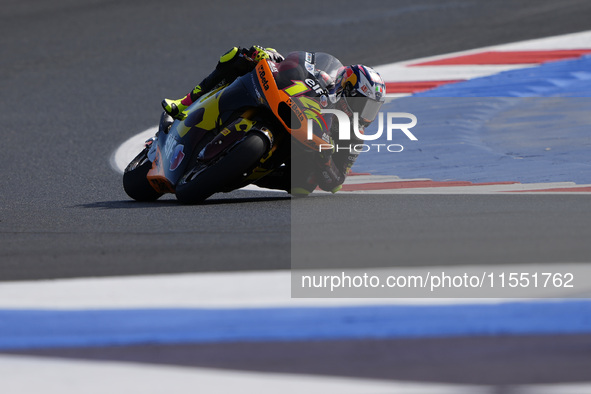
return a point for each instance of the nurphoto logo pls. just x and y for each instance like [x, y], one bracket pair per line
[344, 133]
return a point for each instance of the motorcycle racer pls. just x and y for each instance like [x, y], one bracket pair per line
[355, 89]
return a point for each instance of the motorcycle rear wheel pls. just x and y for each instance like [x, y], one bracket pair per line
[135, 181]
[194, 189]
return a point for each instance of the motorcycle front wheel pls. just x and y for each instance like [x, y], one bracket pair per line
[135, 181]
[199, 184]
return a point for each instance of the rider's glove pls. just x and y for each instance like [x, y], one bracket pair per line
[329, 176]
[257, 53]
[336, 189]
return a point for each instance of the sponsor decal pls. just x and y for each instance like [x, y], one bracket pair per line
[296, 110]
[263, 78]
[178, 157]
[314, 86]
[169, 146]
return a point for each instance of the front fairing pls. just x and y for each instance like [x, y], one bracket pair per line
[302, 83]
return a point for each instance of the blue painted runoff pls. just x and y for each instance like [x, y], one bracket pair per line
[29, 329]
[528, 125]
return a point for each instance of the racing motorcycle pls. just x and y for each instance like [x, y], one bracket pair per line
[239, 133]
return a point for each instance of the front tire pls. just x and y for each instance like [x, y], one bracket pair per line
[135, 181]
[196, 187]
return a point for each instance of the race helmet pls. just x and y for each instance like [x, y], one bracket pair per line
[363, 90]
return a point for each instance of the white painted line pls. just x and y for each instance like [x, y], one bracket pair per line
[130, 149]
[361, 179]
[515, 188]
[256, 289]
[457, 191]
[61, 376]
[580, 40]
[56, 376]
[492, 188]
[400, 73]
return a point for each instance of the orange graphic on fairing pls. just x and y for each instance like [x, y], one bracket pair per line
[157, 177]
[286, 108]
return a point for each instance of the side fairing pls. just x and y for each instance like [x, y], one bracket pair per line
[185, 138]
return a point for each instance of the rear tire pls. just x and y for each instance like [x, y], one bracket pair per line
[135, 181]
[195, 188]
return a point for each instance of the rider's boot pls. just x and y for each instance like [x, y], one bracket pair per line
[176, 108]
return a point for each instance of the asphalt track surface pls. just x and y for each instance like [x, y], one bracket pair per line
[499, 361]
[80, 77]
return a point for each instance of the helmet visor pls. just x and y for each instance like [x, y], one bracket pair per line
[366, 108]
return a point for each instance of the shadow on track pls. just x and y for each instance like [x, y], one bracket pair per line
[131, 204]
